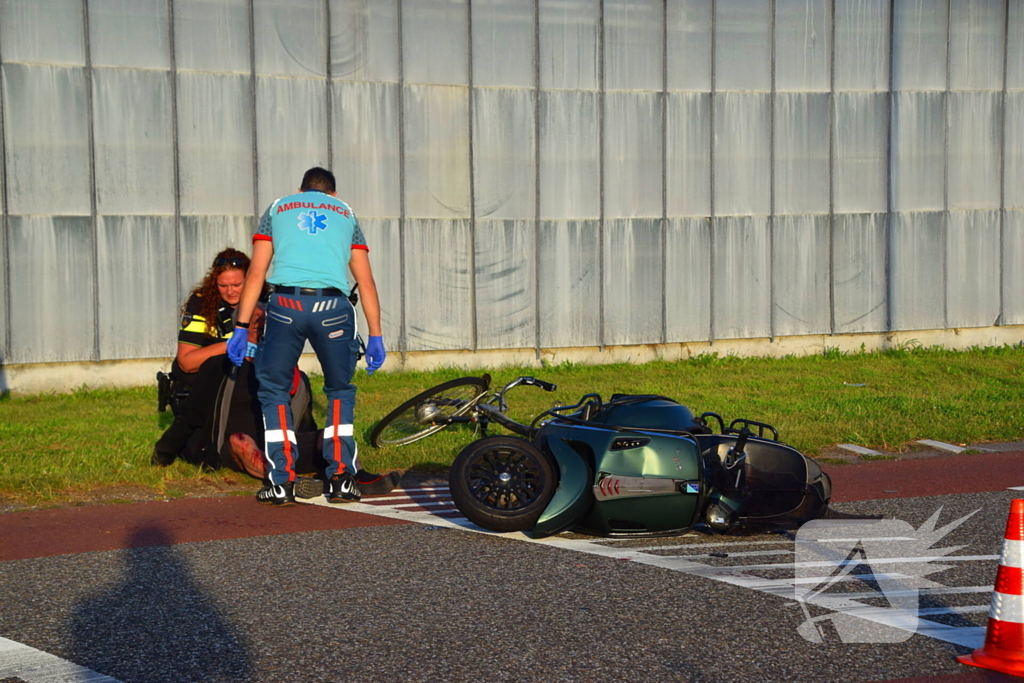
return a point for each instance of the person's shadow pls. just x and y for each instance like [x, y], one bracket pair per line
[156, 623]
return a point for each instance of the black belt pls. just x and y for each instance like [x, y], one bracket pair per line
[308, 291]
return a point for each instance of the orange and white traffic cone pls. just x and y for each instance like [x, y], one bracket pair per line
[1004, 639]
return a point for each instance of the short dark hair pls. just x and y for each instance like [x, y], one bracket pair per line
[318, 178]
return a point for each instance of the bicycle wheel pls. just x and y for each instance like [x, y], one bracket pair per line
[416, 418]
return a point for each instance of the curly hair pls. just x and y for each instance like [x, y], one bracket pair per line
[209, 296]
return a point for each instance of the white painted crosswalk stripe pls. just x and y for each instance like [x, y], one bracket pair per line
[35, 666]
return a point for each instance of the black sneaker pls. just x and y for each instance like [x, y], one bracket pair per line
[343, 489]
[281, 494]
[308, 487]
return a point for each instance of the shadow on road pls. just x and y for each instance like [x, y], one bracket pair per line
[156, 623]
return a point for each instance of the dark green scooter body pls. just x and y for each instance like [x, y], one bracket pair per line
[644, 465]
[652, 483]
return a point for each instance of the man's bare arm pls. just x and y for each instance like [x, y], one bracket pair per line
[262, 253]
[360, 267]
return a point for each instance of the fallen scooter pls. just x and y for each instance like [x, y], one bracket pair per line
[635, 465]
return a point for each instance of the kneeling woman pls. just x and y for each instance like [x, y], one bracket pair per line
[201, 361]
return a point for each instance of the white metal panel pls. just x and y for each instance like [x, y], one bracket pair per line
[633, 281]
[919, 44]
[972, 263]
[570, 301]
[800, 270]
[436, 151]
[290, 37]
[504, 153]
[366, 150]
[859, 280]
[51, 289]
[801, 153]
[437, 289]
[504, 43]
[976, 42]
[1013, 268]
[506, 281]
[742, 155]
[569, 161]
[1015, 46]
[633, 44]
[1013, 149]
[134, 141]
[860, 155]
[689, 45]
[917, 259]
[382, 237]
[975, 134]
[46, 123]
[569, 44]
[4, 320]
[918, 161]
[129, 33]
[803, 45]
[43, 31]
[215, 162]
[138, 295]
[289, 139]
[435, 41]
[862, 45]
[688, 150]
[632, 154]
[202, 238]
[687, 279]
[743, 45]
[212, 35]
[364, 40]
[741, 281]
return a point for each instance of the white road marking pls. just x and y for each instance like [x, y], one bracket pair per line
[943, 446]
[859, 450]
[35, 666]
[914, 621]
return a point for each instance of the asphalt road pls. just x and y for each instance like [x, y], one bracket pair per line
[194, 591]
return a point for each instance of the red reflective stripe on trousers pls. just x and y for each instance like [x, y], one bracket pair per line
[336, 439]
[283, 419]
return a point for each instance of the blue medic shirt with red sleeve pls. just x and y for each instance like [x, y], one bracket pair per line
[313, 236]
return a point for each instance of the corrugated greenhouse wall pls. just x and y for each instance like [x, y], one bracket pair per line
[529, 173]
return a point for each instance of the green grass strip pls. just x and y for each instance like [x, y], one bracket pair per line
[58, 448]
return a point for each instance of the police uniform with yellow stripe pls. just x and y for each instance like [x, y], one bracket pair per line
[193, 331]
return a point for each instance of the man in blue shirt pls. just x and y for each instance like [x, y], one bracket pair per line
[309, 238]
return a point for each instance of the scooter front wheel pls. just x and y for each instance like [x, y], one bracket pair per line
[502, 483]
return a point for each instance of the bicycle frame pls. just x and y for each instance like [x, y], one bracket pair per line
[493, 408]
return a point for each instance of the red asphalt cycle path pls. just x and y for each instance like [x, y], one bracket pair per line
[71, 530]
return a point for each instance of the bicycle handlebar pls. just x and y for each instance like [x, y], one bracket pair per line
[546, 386]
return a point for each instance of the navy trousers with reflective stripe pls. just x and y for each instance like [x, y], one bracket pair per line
[329, 323]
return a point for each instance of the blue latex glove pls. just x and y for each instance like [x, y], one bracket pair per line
[375, 354]
[237, 344]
